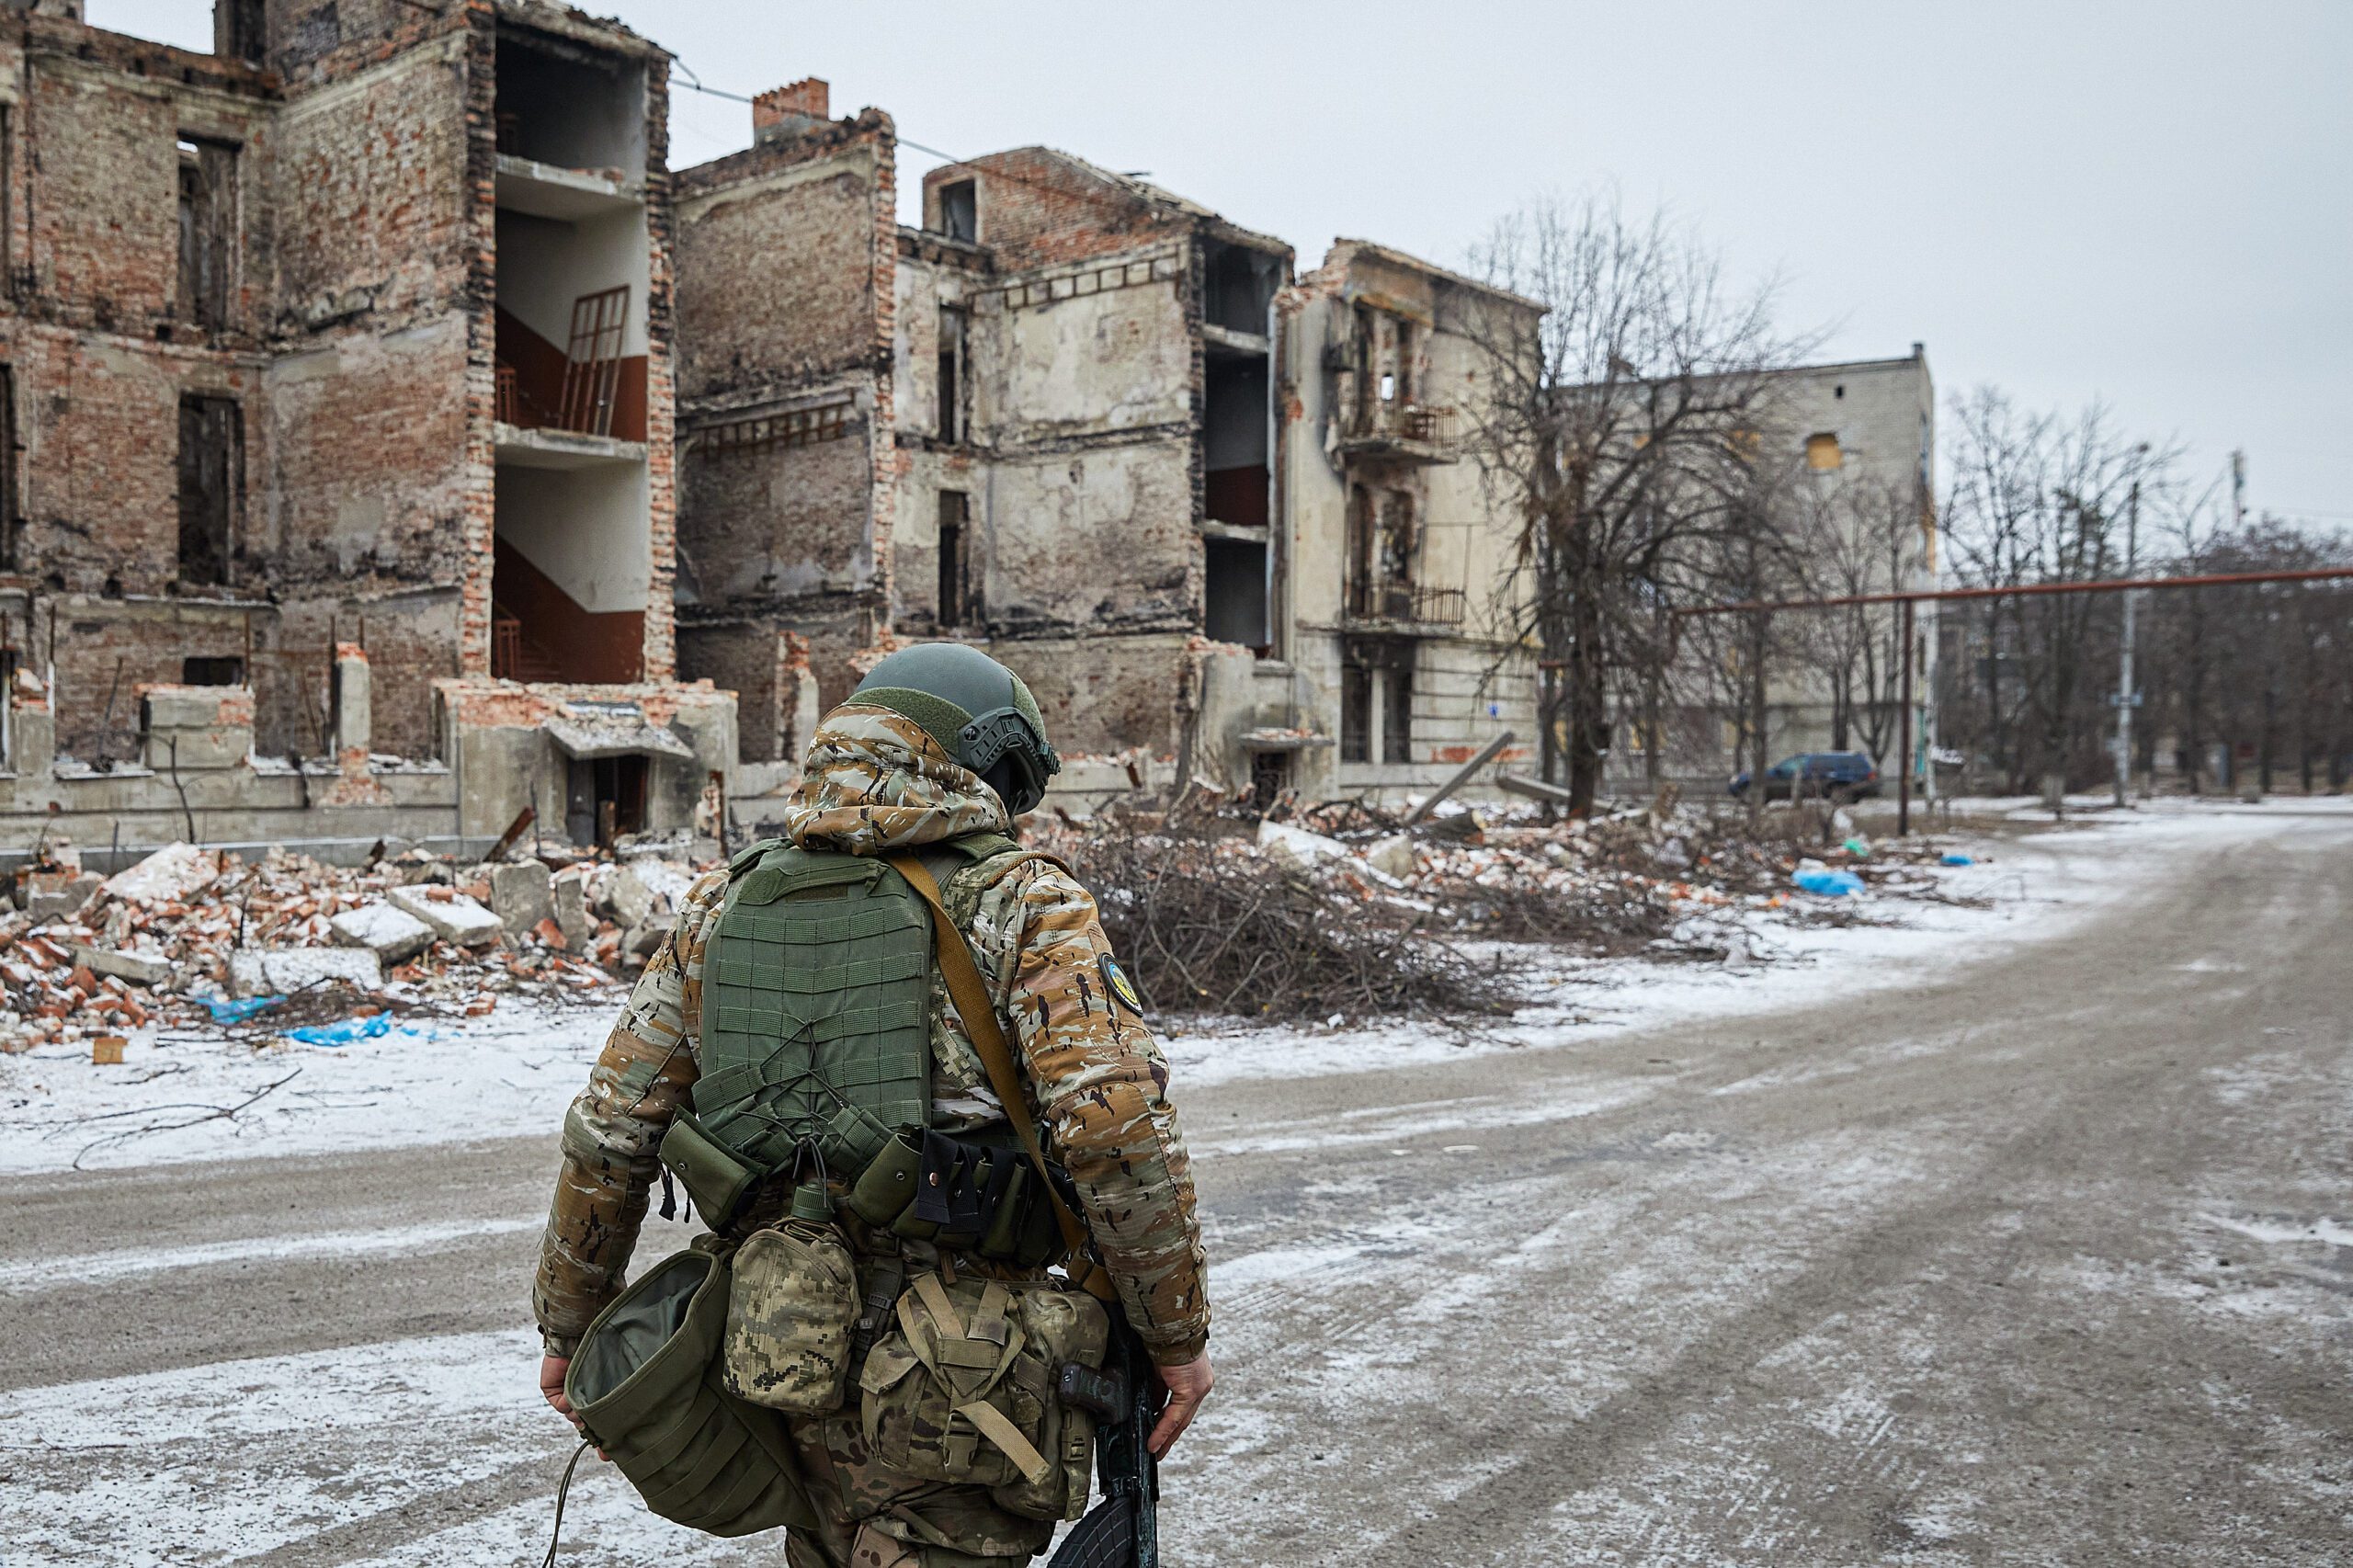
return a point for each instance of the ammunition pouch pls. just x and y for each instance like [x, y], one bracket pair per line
[718, 1181]
[959, 1195]
[962, 1391]
[647, 1385]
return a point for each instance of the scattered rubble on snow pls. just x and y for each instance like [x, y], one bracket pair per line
[189, 933]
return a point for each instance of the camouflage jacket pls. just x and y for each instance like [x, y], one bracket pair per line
[874, 783]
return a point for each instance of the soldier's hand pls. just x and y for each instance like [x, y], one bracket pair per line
[1188, 1385]
[552, 1370]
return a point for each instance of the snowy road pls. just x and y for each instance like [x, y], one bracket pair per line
[2041, 1257]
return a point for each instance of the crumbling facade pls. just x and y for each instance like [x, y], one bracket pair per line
[1097, 429]
[337, 368]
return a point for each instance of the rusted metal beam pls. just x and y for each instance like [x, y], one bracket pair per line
[2107, 586]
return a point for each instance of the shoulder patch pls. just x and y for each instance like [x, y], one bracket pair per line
[1117, 983]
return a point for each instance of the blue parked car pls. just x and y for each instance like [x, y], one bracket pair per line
[1828, 775]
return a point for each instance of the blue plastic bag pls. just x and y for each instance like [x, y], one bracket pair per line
[1958, 861]
[226, 1012]
[1829, 884]
[347, 1031]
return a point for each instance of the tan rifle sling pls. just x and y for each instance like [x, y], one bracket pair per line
[970, 994]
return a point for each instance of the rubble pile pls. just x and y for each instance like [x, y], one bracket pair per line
[1278, 918]
[191, 935]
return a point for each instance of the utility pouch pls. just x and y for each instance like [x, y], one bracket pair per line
[715, 1179]
[789, 1314]
[962, 1391]
[887, 1185]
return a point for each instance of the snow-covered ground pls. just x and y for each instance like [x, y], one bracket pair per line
[181, 1097]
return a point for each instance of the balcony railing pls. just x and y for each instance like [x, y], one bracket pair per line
[1408, 603]
[1412, 430]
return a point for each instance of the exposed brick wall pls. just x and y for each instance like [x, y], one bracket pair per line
[1038, 208]
[778, 263]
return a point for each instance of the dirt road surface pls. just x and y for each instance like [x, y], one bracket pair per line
[2047, 1261]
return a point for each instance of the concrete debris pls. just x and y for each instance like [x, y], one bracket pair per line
[284, 971]
[176, 871]
[453, 916]
[52, 895]
[519, 896]
[1393, 857]
[140, 969]
[383, 928]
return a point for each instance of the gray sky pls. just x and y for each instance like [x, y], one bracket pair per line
[2150, 203]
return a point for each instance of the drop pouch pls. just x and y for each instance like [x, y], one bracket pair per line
[790, 1312]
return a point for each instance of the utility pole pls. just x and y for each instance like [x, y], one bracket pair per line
[2125, 694]
[2238, 490]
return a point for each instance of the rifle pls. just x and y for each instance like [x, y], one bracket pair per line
[1123, 1530]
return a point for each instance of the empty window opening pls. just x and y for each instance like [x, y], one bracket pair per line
[956, 603]
[212, 486]
[569, 105]
[1233, 437]
[1838, 390]
[1270, 779]
[207, 218]
[1397, 706]
[8, 199]
[605, 799]
[1236, 593]
[224, 671]
[11, 514]
[1822, 451]
[242, 30]
[1377, 701]
[1238, 287]
[951, 375]
[959, 210]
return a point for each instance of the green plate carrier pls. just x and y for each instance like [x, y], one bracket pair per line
[816, 1018]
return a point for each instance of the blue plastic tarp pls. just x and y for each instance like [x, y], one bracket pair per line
[1829, 884]
[344, 1032]
[1958, 861]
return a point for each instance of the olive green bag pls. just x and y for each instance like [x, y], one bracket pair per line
[648, 1387]
[962, 1391]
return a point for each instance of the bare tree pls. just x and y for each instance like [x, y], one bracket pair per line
[2038, 499]
[1852, 538]
[1623, 427]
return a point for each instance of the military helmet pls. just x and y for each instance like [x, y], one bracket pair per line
[979, 712]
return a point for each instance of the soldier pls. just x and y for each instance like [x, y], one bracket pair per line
[938, 749]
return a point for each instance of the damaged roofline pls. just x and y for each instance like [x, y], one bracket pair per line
[1343, 250]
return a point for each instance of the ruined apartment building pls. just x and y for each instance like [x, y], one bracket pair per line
[337, 368]
[1858, 440]
[1220, 522]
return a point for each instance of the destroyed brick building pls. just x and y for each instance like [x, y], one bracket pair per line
[1213, 513]
[395, 443]
[336, 368]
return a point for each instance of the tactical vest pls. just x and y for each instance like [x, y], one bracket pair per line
[816, 1013]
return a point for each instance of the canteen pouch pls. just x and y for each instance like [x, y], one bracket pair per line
[647, 1387]
[789, 1314]
[714, 1178]
[961, 1390]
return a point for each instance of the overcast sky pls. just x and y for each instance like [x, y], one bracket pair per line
[2150, 203]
